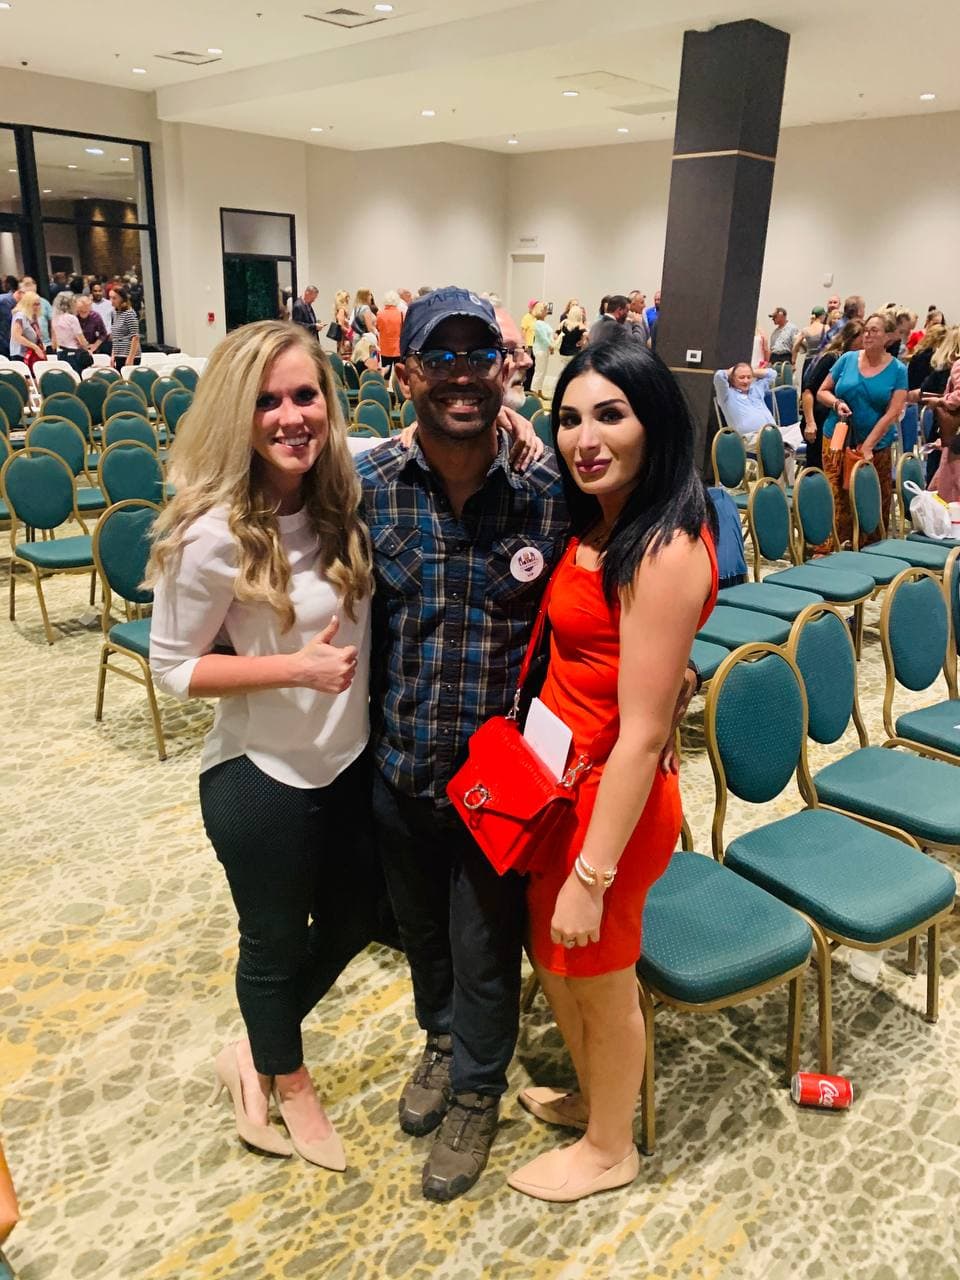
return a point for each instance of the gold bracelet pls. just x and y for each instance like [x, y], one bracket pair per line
[590, 876]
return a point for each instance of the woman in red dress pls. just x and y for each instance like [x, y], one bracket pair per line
[637, 581]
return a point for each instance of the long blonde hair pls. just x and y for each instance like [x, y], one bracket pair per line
[212, 464]
[948, 351]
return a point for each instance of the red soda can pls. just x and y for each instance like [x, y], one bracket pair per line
[810, 1089]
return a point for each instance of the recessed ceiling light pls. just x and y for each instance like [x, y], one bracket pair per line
[383, 8]
[623, 129]
[125, 159]
[317, 128]
[11, 171]
[428, 112]
[214, 51]
[927, 97]
[94, 151]
[46, 191]
[71, 166]
[571, 93]
[139, 71]
[513, 142]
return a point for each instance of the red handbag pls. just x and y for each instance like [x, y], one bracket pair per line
[512, 805]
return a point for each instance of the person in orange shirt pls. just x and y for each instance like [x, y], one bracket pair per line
[389, 324]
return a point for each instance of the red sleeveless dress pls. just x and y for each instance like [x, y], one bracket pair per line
[581, 688]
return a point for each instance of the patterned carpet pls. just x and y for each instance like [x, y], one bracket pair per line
[116, 989]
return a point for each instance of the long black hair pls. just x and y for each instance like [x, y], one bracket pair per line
[669, 494]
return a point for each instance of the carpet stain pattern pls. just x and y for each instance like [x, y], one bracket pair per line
[116, 990]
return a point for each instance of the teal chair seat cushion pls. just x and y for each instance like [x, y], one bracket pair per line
[919, 796]
[61, 553]
[855, 881]
[742, 500]
[90, 499]
[883, 571]
[708, 657]
[922, 555]
[763, 597]
[949, 543]
[936, 726]
[708, 933]
[132, 635]
[836, 585]
[734, 627]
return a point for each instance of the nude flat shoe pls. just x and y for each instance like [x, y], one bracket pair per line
[542, 1102]
[328, 1153]
[262, 1137]
[544, 1180]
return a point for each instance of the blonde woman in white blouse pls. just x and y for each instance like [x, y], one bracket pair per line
[261, 553]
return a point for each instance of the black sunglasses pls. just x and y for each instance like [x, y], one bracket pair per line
[484, 361]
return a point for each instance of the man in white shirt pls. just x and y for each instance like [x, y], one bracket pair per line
[782, 336]
[102, 306]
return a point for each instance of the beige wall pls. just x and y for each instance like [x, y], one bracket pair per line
[413, 216]
[876, 203]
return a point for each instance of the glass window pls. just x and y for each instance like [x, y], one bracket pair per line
[90, 179]
[9, 177]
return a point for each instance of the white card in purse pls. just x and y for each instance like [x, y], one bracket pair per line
[548, 736]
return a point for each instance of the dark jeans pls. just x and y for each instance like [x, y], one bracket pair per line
[462, 929]
[302, 870]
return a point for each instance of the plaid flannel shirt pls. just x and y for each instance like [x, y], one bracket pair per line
[451, 617]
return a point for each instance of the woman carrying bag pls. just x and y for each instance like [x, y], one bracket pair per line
[642, 569]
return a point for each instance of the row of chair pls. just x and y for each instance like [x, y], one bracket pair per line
[848, 867]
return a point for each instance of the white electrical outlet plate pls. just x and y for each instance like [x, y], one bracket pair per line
[694, 357]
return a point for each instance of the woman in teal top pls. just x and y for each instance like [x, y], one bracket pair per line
[866, 389]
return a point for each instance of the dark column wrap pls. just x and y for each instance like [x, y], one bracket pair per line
[728, 125]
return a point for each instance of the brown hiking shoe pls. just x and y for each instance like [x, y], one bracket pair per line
[461, 1147]
[425, 1095]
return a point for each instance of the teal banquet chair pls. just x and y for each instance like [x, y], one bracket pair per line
[121, 548]
[108, 375]
[15, 379]
[93, 392]
[124, 399]
[143, 377]
[186, 376]
[728, 457]
[530, 406]
[130, 426]
[12, 406]
[867, 513]
[370, 413]
[408, 413]
[856, 885]
[52, 380]
[39, 490]
[376, 390]
[64, 438]
[130, 470]
[174, 405]
[915, 633]
[890, 789]
[160, 389]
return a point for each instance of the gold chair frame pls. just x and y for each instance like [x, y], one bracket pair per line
[46, 417]
[743, 487]
[127, 444]
[125, 413]
[825, 942]
[15, 521]
[110, 647]
[951, 584]
[898, 483]
[890, 687]
[881, 527]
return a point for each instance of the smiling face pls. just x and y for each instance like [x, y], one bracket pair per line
[290, 425]
[601, 439]
[461, 404]
[96, 292]
[874, 336]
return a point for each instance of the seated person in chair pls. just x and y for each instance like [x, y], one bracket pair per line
[740, 392]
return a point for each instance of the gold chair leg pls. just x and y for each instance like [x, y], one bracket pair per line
[913, 955]
[154, 712]
[93, 588]
[101, 680]
[43, 605]
[858, 630]
[794, 1024]
[13, 591]
[825, 993]
[648, 1117]
[529, 993]
[933, 973]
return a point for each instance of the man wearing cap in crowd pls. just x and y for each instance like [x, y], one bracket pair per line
[782, 336]
[463, 547]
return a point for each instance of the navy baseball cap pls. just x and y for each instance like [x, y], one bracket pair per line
[424, 314]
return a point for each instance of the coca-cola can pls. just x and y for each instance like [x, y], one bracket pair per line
[810, 1089]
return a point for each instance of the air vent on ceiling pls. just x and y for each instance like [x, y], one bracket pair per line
[348, 19]
[664, 106]
[187, 58]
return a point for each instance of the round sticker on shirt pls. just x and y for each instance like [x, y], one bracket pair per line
[527, 564]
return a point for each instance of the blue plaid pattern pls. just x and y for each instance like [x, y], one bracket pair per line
[450, 620]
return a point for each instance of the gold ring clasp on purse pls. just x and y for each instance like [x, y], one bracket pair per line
[476, 797]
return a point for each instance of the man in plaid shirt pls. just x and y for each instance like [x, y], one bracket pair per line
[463, 548]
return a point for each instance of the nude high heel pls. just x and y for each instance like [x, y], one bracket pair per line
[328, 1152]
[260, 1136]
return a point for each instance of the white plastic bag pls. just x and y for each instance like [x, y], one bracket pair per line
[928, 515]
